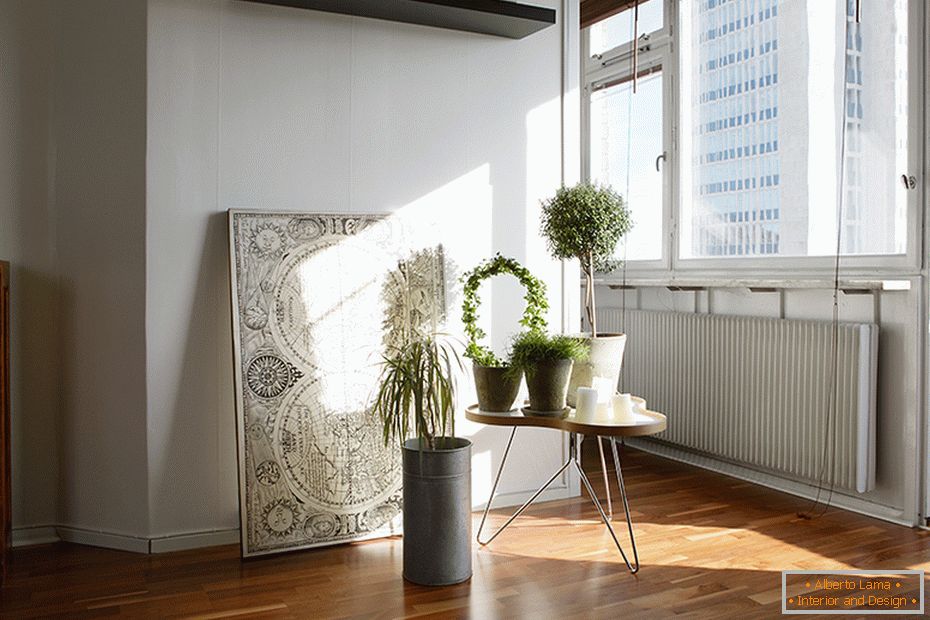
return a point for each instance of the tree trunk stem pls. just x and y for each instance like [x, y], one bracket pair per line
[592, 306]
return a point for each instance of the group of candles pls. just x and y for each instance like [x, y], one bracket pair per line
[600, 404]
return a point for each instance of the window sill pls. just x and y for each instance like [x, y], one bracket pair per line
[756, 284]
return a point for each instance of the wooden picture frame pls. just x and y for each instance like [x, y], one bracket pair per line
[6, 520]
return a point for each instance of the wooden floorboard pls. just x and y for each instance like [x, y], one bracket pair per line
[711, 547]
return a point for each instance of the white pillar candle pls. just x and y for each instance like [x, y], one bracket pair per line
[623, 409]
[585, 404]
[605, 389]
[605, 413]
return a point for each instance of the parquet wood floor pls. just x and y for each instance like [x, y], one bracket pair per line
[711, 547]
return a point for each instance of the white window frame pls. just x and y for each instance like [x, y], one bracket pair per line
[924, 456]
[615, 63]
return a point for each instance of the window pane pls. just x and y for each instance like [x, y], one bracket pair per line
[618, 29]
[626, 138]
[763, 97]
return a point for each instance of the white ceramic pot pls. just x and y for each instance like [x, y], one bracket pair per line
[604, 360]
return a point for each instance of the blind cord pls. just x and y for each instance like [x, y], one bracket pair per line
[817, 508]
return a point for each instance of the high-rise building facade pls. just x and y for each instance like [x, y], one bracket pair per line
[736, 128]
[768, 82]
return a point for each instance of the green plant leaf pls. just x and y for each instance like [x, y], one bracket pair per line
[586, 222]
[416, 392]
[533, 347]
[534, 314]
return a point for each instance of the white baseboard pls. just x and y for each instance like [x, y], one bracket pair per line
[785, 485]
[34, 535]
[504, 500]
[108, 540]
[37, 535]
[568, 486]
[195, 540]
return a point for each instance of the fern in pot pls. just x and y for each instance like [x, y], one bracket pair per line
[586, 222]
[415, 403]
[547, 362]
[496, 386]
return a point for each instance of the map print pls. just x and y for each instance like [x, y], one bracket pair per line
[317, 299]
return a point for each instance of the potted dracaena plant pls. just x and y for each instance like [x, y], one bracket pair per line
[496, 387]
[415, 403]
[586, 222]
[547, 363]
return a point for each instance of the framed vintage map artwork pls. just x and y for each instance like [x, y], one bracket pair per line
[316, 301]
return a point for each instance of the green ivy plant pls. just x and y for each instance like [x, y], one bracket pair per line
[586, 222]
[534, 315]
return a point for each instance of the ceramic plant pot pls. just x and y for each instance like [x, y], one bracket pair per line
[547, 384]
[497, 390]
[604, 360]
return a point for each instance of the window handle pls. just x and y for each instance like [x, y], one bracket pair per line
[662, 158]
[910, 182]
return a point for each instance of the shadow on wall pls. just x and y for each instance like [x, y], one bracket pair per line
[202, 431]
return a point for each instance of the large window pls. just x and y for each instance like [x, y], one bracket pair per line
[790, 130]
[627, 121]
[626, 138]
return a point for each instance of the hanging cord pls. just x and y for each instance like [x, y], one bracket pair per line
[817, 508]
[635, 42]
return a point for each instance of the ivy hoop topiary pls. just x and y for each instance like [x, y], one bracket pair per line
[533, 315]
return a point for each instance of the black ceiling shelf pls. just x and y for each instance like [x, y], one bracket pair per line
[495, 17]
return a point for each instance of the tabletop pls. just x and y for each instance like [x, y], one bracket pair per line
[645, 422]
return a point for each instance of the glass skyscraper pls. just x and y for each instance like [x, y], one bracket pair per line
[768, 82]
[736, 132]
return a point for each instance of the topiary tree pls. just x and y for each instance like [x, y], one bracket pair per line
[586, 222]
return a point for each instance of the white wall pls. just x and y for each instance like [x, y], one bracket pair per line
[27, 231]
[127, 128]
[99, 189]
[281, 109]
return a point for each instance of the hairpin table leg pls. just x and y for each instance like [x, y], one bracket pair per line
[610, 504]
[574, 458]
[626, 505]
[523, 507]
[500, 470]
[634, 567]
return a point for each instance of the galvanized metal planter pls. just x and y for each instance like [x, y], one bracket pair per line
[437, 512]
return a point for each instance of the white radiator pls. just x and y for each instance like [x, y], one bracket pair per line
[756, 391]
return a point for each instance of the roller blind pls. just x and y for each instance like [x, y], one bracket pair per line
[593, 11]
